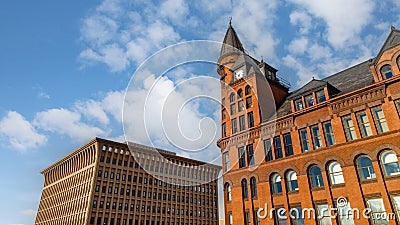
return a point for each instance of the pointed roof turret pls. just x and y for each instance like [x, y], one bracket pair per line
[231, 43]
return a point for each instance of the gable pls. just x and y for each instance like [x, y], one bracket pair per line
[392, 40]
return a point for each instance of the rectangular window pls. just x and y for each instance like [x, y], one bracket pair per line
[234, 126]
[247, 218]
[242, 160]
[316, 134]
[377, 210]
[349, 128]
[305, 143]
[364, 124]
[298, 104]
[240, 106]
[296, 213]
[242, 123]
[278, 148]
[250, 119]
[380, 120]
[397, 102]
[324, 214]
[233, 109]
[329, 135]
[224, 130]
[309, 100]
[280, 216]
[249, 102]
[256, 218]
[288, 144]
[230, 218]
[345, 214]
[224, 114]
[250, 154]
[268, 150]
[320, 96]
[226, 161]
[396, 201]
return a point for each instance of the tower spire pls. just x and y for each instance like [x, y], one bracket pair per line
[231, 43]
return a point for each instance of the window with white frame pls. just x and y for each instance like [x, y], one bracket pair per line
[377, 210]
[364, 124]
[335, 173]
[365, 169]
[390, 163]
[349, 128]
[292, 183]
[324, 214]
[380, 120]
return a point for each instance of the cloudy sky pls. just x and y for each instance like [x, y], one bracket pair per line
[65, 66]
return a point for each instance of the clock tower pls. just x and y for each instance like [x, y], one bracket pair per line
[245, 81]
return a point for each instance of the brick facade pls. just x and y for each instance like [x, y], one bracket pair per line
[317, 137]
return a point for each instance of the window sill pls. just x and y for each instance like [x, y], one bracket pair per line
[338, 185]
[293, 192]
[318, 189]
[277, 194]
[369, 181]
[392, 177]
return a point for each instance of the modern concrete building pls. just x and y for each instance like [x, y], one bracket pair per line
[334, 142]
[110, 183]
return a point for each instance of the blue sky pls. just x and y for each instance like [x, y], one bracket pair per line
[64, 67]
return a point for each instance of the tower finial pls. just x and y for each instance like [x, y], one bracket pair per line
[230, 21]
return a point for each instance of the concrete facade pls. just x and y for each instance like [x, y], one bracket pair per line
[107, 183]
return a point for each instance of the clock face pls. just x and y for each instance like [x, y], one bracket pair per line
[239, 74]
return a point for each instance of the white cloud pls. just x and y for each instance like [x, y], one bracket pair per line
[92, 110]
[304, 73]
[29, 212]
[20, 133]
[345, 19]
[66, 122]
[158, 114]
[175, 10]
[298, 46]
[317, 52]
[302, 20]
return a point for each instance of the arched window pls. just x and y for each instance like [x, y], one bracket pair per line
[335, 173]
[228, 190]
[390, 163]
[291, 180]
[386, 71]
[232, 97]
[245, 191]
[253, 186]
[240, 93]
[315, 176]
[276, 184]
[247, 90]
[398, 62]
[365, 168]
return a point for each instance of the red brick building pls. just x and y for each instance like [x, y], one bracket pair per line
[332, 143]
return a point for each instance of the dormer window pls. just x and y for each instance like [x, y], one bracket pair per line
[298, 104]
[309, 100]
[320, 96]
[386, 72]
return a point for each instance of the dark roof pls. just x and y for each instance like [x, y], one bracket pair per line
[348, 80]
[231, 39]
[308, 88]
[391, 41]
